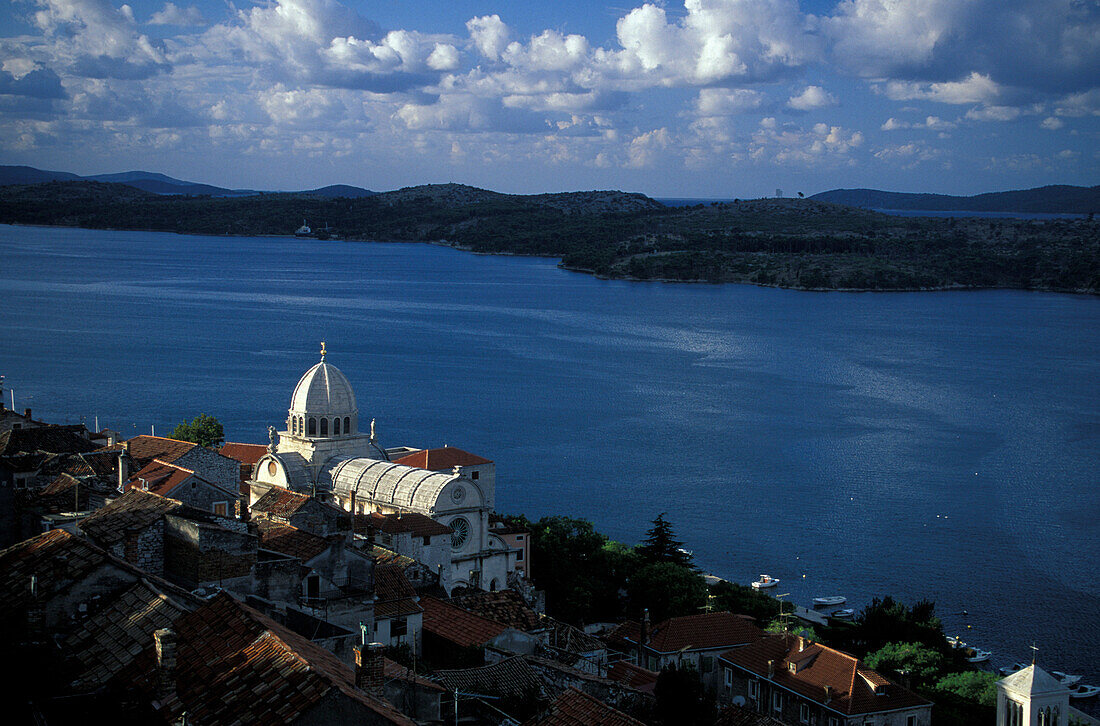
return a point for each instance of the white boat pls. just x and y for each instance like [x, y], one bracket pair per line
[955, 642]
[765, 581]
[1066, 679]
[1009, 670]
[844, 614]
[830, 600]
[1083, 691]
[977, 655]
[303, 231]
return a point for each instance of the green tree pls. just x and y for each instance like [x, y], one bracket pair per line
[975, 686]
[660, 545]
[667, 590]
[911, 662]
[889, 621]
[743, 600]
[204, 430]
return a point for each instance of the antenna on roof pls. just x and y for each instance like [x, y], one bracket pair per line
[1034, 653]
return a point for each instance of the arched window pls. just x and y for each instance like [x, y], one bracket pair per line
[301, 425]
[312, 426]
[336, 426]
[493, 585]
[347, 424]
[294, 426]
[324, 427]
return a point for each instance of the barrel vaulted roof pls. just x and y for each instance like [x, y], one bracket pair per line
[388, 483]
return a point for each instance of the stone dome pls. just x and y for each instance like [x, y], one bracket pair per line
[323, 391]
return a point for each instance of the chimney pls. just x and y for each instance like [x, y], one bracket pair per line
[828, 694]
[369, 674]
[801, 644]
[27, 414]
[771, 669]
[123, 468]
[643, 638]
[165, 641]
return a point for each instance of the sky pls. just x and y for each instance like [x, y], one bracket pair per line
[706, 99]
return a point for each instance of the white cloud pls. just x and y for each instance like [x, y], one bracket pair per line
[644, 149]
[444, 57]
[814, 97]
[1080, 104]
[892, 124]
[1051, 123]
[975, 88]
[172, 14]
[993, 113]
[727, 101]
[489, 34]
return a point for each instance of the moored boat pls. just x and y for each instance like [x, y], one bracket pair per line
[1083, 691]
[843, 614]
[764, 582]
[1067, 680]
[977, 655]
[830, 600]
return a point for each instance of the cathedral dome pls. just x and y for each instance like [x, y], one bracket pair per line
[323, 391]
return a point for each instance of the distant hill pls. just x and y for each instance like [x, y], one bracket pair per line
[29, 175]
[461, 195]
[345, 191]
[1058, 199]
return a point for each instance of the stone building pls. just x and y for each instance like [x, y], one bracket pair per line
[324, 453]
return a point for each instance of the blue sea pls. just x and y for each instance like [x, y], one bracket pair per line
[941, 445]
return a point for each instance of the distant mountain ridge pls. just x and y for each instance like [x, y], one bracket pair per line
[161, 184]
[1056, 199]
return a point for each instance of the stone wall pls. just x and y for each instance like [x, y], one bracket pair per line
[144, 548]
[212, 467]
[201, 553]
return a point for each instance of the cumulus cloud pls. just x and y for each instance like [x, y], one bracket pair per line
[37, 83]
[644, 149]
[727, 101]
[93, 39]
[490, 35]
[1038, 44]
[1051, 123]
[975, 88]
[172, 14]
[993, 113]
[812, 98]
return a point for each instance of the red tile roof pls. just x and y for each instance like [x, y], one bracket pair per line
[846, 677]
[133, 511]
[159, 477]
[419, 525]
[57, 558]
[503, 606]
[695, 632]
[290, 540]
[234, 665]
[146, 448]
[457, 625]
[396, 608]
[279, 502]
[390, 583]
[443, 459]
[575, 708]
[396, 671]
[634, 676]
[244, 453]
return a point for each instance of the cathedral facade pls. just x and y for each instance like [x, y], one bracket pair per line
[323, 453]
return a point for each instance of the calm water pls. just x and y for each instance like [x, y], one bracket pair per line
[940, 445]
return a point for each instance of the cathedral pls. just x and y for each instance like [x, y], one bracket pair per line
[324, 453]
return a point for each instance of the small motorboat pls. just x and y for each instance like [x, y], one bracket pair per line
[955, 642]
[764, 582]
[830, 600]
[977, 655]
[843, 614]
[1066, 679]
[1083, 691]
[1014, 668]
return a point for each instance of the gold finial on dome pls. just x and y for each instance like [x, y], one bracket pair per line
[323, 351]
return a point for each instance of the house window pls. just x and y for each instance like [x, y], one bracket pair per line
[754, 688]
[833, 721]
[427, 541]
[475, 475]
[793, 668]
[910, 721]
[706, 663]
[398, 627]
[519, 555]
[221, 508]
[728, 679]
[519, 538]
[777, 700]
[803, 713]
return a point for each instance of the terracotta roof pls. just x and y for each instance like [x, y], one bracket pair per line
[44, 439]
[396, 608]
[510, 678]
[634, 676]
[694, 632]
[244, 453]
[108, 641]
[134, 510]
[234, 665]
[850, 682]
[57, 558]
[159, 477]
[290, 540]
[397, 672]
[503, 606]
[279, 502]
[383, 556]
[456, 625]
[443, 459]
[92, 463]
[574, 708]
[390, 583]
[144, 449]
[419, 525]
